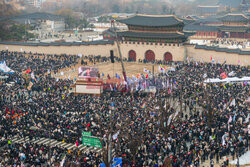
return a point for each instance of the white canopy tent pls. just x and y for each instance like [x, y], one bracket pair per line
[4, 68]
[243, 160]
[234, 79]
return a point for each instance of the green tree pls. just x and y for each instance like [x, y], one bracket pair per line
[15, 32]
[85, 23]
[70, 22]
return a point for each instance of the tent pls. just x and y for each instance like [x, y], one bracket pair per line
[243, 160]
[234, 79]
[4, 68]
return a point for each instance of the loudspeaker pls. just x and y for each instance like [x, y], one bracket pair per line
[112, 56]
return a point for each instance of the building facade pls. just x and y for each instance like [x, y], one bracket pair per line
[207, 10]
[147, 31]
[234, 26]
[231, 26]
[202, 54]
[245, 5]
[148, 39]
[34, 3]
[53, 25]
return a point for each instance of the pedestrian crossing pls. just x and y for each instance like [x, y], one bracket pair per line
[53, 142]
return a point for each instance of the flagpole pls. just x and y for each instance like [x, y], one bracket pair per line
[113, 70]
[119, 50]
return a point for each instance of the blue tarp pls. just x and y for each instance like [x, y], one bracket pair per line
[117, 162]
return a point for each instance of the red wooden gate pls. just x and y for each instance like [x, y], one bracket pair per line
[132, 55]
[149, 55]
[168, 57]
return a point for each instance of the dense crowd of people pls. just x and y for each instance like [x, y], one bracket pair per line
[146, 130]
[37, 63]
[230, 43]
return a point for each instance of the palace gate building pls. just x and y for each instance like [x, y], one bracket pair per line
[150, 38]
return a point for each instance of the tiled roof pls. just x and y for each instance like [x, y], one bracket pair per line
[195, 27]
[234, 28]
[151, 35]
[35, 16]
[110, 31]
[234, 18]
[188, 21]
[152, 20]
[207, 9]
[209, 19]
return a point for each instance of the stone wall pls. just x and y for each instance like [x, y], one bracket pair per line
[103, 50]
[205, 56]
[178, 51]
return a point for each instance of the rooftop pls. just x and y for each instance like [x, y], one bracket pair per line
[234, 28]
[188, 21]
[150, 35]
[234, 18]
[209, 19]
[152, 20]
[37, 16]
[195, 27]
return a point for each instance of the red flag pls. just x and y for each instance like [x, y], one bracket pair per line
[147, 76]
[223, 75]
[169, 91]
[211, 58]
[28, 71]
[77, 143]
[138, 76]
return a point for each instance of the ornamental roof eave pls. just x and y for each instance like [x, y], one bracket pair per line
[152, 20]
[133, 34]
[194, 27]
[234, 28]
[234, 18]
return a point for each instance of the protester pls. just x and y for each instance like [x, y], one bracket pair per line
[189, 135]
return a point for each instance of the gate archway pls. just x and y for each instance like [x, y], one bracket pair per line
[132, 55]
[149, 55]
[168, 57]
